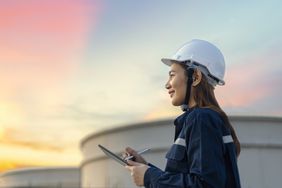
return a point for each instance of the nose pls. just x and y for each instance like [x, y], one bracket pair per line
[167, 85]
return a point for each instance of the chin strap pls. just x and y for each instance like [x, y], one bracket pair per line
[184, 106]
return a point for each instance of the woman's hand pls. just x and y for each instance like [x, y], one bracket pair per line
[137, 171]
[137, 158]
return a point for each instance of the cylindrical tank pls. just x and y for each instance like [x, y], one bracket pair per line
[260, 162]
[51, 177]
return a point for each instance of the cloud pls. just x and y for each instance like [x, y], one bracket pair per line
[254, 79]
[17, 156]
[8, 165]
[14, 137]
[24, 151]
[47, 17]
[42, 41]
[163, 110]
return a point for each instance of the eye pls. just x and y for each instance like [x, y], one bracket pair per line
[171, 74]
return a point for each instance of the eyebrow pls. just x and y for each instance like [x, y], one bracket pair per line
[171, 71]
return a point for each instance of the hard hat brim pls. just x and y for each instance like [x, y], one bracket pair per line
[170, 61]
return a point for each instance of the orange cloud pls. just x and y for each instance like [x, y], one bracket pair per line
[16, 157]
[10, 115]
[44, 39]
[11, 137]
[35, 145]
[41, 48]
[23, 154]
[162, 111]
[47, 16]
[250, 80]
[9, 165]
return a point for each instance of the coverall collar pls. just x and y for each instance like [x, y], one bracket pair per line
[179, 122]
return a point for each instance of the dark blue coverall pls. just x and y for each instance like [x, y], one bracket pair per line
[203, 154]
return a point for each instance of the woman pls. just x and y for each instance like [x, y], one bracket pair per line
[205, 145]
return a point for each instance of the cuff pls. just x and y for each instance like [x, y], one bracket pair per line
[151, 175]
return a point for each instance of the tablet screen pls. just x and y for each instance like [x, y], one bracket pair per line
[113, 156]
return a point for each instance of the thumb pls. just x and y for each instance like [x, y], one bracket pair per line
[133, 163]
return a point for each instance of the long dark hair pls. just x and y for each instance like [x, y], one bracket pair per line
[204, 97]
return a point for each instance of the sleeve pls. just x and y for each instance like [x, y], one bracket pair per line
[205, 157]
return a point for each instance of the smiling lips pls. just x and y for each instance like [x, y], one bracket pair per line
[171, 93]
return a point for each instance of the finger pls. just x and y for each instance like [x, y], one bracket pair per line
[133, 163]
[124, 155]
[130, 150]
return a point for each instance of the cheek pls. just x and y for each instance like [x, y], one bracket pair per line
[179, 85]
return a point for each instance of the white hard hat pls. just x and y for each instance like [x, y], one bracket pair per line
[204, 55]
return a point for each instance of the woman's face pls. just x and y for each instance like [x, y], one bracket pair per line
[177, 84]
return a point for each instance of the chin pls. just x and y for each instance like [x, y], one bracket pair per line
[175, 103]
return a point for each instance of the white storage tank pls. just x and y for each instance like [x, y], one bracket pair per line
[51, 177]
[260, 162]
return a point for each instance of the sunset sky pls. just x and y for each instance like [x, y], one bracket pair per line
[69, 68]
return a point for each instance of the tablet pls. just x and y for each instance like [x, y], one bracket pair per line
[113, 156]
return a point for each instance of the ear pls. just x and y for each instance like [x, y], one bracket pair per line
[197, 77]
